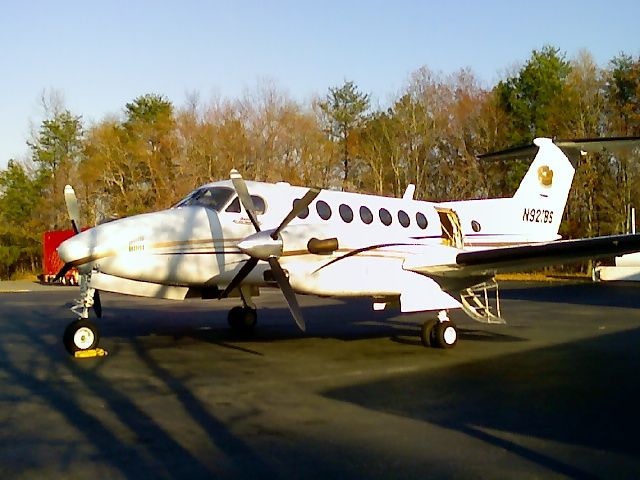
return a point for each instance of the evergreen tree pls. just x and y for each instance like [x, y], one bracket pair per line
[345, 108]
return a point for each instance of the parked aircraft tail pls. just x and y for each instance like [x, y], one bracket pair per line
[542, 195]
[540, 200]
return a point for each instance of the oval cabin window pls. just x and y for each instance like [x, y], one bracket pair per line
[421, 220]
[346, 213]
[365, 215]
[323, 209]
[385, 216]
[403, 218]
[304, 213]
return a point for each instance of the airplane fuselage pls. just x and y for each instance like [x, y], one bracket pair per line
[195, 243]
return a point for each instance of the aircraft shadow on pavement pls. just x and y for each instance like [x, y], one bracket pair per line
[148, 451]
[350, 320]
[583, 393]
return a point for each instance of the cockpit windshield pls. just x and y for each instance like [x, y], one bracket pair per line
[211, 197]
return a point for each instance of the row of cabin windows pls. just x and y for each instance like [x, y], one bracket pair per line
[346, 213]
[217, 197]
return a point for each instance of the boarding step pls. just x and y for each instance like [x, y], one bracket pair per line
[482, 303]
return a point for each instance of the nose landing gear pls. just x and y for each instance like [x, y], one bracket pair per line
[81, 336]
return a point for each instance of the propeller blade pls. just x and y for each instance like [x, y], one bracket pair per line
[243, 194]
[97, 304]
[63, 271]
[298, 207]
[72, 207]
[240, 276]
[288, 292]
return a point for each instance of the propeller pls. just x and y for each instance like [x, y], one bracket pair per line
[267, 245]
[97, 304]
[74, 215]
[62, 272]
[72, 207]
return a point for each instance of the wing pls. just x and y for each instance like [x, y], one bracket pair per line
[528, 257]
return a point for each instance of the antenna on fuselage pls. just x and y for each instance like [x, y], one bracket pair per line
[408, 193]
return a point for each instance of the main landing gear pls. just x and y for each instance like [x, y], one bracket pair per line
[439, 332]
[242, 320]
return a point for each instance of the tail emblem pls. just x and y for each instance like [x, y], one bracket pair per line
[545, 175]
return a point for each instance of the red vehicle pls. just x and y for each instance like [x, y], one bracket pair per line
[51, 262]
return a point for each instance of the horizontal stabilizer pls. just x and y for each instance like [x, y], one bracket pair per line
[572, 147]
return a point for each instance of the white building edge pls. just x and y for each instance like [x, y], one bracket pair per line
[627, 267]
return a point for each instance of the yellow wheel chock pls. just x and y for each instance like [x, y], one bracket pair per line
[90, 353]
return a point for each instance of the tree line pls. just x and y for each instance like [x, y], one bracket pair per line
[430, 135]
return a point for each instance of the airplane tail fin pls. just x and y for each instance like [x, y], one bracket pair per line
[543, 192]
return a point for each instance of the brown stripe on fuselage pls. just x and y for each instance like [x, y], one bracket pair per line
[496, 244]
[204, 241]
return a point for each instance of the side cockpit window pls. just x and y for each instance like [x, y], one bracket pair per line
[210, 197]
[258, 203]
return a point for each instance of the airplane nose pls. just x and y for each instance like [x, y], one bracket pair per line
[75, 250]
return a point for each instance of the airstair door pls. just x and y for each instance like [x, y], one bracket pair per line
[451, 229]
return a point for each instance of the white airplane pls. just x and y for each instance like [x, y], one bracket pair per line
[231, 238]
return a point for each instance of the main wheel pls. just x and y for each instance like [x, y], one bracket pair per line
[80, 335]
[445, 335]
[426, 333]
[242, 319]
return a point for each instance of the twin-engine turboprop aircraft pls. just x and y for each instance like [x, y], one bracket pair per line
[231, 238]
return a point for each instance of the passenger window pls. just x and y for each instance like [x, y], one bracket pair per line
[346, 213]
[385, 216]
[365, 215]
[258, 203]
[323, 209]
[304, 213]
[421, 220]
[403, 218]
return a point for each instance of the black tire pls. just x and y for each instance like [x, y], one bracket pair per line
[426, 333]
[242, 319]
[233, 317]
[80, 335]
[445, 335]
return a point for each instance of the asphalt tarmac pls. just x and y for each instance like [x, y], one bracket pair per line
[555, 394]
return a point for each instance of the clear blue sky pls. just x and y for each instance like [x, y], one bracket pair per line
[101, 55]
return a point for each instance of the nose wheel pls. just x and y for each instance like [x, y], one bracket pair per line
[80, 335]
